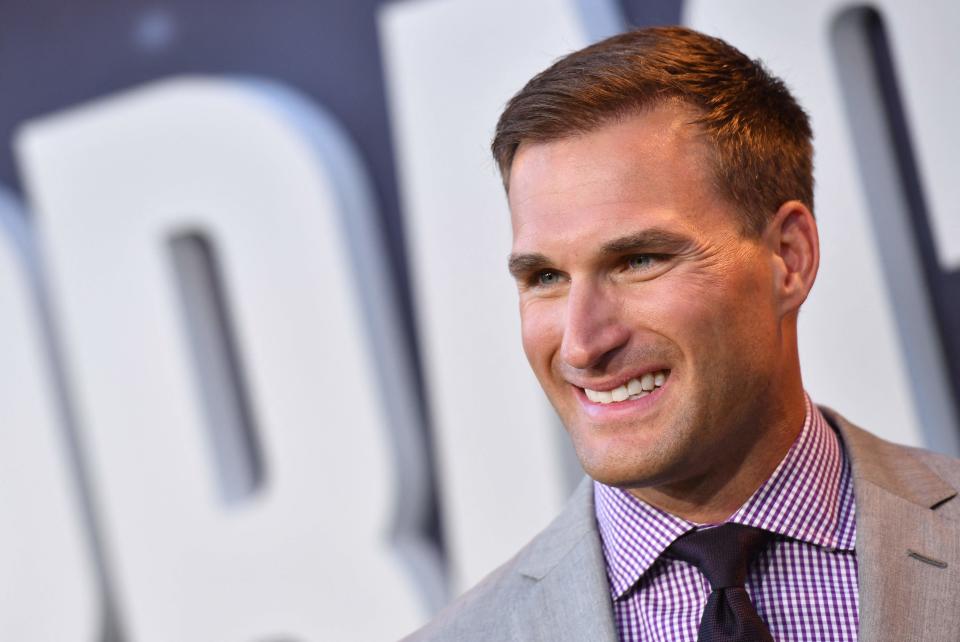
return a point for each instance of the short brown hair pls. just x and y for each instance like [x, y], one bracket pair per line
[761, 136]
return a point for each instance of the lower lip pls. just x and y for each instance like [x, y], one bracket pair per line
[618, 408]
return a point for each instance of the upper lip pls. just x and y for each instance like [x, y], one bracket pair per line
[610, 383]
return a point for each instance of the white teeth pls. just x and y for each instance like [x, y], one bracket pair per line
[633, 389]
[647, 382]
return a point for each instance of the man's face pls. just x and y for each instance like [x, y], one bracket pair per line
[628, 264]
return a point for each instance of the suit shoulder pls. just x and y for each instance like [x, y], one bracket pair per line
[917, 474]
[478, 612]
[485, 612]
[947, 467]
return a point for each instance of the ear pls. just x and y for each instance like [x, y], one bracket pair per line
[792, 238]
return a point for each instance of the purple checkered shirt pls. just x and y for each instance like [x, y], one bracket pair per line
[804, 585]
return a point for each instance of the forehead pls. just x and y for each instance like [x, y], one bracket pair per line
[652, 168]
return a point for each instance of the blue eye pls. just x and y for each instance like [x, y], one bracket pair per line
[640, 261]
[548, 278]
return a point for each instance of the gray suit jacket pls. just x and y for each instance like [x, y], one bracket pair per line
[908, 554]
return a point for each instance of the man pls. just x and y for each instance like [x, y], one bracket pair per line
[660, 188]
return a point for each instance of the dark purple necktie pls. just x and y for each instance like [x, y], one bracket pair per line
[723, 554]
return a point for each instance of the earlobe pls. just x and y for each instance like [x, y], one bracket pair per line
[792, 237]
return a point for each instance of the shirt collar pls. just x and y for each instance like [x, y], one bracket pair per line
[808, 498]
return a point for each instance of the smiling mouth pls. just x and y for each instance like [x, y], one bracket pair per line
[636, 388]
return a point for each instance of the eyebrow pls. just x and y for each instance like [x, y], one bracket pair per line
[652, 241]
[520, 264]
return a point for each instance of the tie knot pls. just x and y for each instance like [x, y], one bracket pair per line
[723, 554]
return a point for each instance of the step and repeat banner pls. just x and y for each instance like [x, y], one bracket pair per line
[260, 368]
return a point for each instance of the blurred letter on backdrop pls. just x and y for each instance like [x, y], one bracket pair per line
[229, 393]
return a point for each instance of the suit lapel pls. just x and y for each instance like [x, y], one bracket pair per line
[908, 555]
[569, 599]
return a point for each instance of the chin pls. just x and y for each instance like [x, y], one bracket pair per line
[629, 459]
[616, 471]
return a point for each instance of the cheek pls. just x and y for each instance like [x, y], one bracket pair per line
[541, 331]
[680, 310]
[706, 318]
[736, 322]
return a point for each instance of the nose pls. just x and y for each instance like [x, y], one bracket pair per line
[594, 329]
